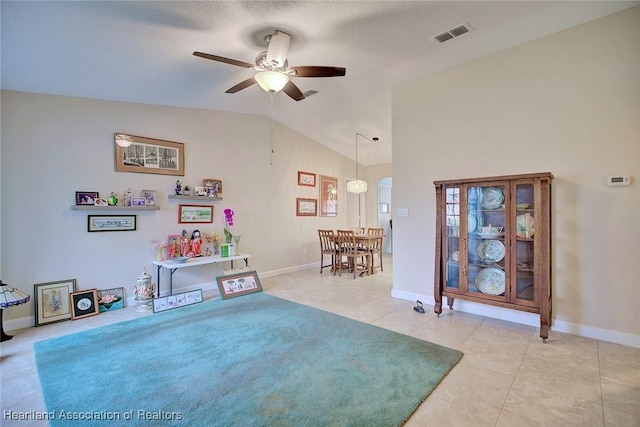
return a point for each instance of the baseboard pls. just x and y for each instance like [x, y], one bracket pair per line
[529, 319]
[516, 316]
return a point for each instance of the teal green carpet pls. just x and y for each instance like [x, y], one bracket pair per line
[256, 360]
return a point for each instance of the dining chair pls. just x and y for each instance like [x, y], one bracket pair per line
[358, 259]
[376, 245]
[327, 247]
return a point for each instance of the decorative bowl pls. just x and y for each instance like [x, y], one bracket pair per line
[180, 259]
[522, 205]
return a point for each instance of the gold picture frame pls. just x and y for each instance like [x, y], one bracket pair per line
[147, 155]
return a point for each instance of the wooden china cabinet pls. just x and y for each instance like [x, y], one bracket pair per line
[493, 243]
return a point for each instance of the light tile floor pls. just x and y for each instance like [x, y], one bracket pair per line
[507, 376]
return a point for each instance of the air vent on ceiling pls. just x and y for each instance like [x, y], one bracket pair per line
[455, 32]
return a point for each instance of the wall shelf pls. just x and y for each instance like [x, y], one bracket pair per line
[113, 208]
[199, 198]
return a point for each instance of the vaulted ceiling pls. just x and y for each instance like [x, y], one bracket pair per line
[141, 51]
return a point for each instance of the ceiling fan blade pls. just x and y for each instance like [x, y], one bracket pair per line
[242, 85]
[278, 48]
[223, 59]
[317, 71]
[293, 91]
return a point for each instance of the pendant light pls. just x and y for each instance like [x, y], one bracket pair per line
[357, 185]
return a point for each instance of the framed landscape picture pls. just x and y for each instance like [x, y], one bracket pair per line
[51, 301]
[234, 285]
[111, 223]
[306, 207]
[148, 155]
[195, 214]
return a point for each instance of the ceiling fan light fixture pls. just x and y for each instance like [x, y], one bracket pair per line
[271, 81]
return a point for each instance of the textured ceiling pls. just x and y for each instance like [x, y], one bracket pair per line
[141, 51]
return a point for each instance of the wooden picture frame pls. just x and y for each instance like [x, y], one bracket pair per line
[328, 196]
[307, 179]
[148, 155]
[86, 197]
[149, 196]
[83, 304]
[111, 223]
[235, 285]
[51, 301]
[110, 299]
[195, 214]
[214, 186]
[172, 301]
[306, 207]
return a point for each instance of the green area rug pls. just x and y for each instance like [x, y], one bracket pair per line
[257, 360]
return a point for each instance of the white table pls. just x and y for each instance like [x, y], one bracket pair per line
[172, 266]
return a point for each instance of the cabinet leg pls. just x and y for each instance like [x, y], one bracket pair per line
[450, 302]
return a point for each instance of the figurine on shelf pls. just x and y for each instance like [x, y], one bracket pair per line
[178, 188]
[113, 200]
[186, 191]
[185, 244]
[196, 243]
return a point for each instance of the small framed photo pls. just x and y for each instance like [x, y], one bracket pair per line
[214, 187]
[235, 285]
[173, 246]
[111, 223]
[306, 207]
[307, 179]
[86, 197]
[101, 202]
[110, 299]
[138, 201]
[83, 303]
[149, 196]
[195, 214]
[177, 300]
[201, 191]
[51, 301]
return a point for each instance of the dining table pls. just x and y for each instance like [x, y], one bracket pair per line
[367, 241]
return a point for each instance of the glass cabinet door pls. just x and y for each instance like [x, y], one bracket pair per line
[486, 249]
[524, 235]
[452, 237]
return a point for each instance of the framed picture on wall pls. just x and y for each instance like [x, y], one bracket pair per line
[307, 179]
[306, 207]
[195, 214]
[148, 155]
[328, 196]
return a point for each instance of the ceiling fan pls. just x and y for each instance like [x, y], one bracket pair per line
[273, 68]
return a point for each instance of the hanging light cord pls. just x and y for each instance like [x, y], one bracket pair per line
[271, 129]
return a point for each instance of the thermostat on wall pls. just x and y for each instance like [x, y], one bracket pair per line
[617, 181]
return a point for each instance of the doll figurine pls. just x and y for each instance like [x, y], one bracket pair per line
[196, 243]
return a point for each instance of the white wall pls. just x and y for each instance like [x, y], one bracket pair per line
[569, 104]
[53, 146]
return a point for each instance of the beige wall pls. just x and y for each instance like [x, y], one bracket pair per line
[53, 146]
[569, 104]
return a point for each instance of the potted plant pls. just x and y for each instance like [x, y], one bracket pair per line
[186, 190]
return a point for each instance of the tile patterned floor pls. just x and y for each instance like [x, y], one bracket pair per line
[507, 376]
